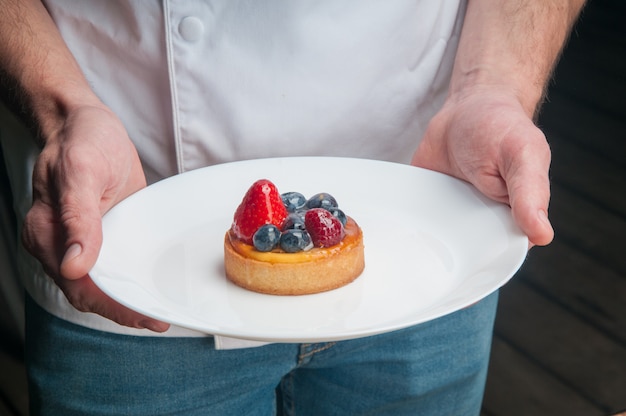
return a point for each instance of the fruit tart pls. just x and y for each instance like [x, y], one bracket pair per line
[286, 244]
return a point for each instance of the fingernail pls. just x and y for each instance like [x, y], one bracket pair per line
[72, 252]
[543, 216]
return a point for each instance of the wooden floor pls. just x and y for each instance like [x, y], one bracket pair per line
[560, 336]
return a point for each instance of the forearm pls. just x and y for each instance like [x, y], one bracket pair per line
[512, 45]
[39, 78]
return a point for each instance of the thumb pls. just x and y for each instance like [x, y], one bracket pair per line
[532, 218]
[81, 218]
[82, 225]
[528, 186]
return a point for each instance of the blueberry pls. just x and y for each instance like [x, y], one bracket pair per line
[341, 216]
[266, 238]
[293, 201]
[293, 241]
[322, 200]
[294, 221]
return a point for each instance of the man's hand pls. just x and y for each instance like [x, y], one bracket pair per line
[487, 139]
[85, 168]
[484, 133]
[87, 164]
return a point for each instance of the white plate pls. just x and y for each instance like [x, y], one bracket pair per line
[433, 245]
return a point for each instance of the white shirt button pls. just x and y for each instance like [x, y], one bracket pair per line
[191, 28]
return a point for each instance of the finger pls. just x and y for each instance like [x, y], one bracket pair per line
[534, 222]
[85, 296]
[526, 175]
[41, 237]
[81, 222]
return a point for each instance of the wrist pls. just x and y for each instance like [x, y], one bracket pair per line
[512, 46]
[39, 78]
[51, 106]
[475, 80]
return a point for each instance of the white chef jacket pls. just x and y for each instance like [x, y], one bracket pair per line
[203, 82]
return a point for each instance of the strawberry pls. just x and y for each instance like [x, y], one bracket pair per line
[325, 229]
[261, 205]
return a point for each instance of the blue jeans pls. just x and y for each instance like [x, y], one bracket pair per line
[436, 368]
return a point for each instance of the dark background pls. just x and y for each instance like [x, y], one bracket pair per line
[560, 337]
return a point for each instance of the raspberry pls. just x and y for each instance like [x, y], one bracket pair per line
[325, 229]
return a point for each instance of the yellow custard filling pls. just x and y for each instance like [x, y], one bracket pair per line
[352, 234]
